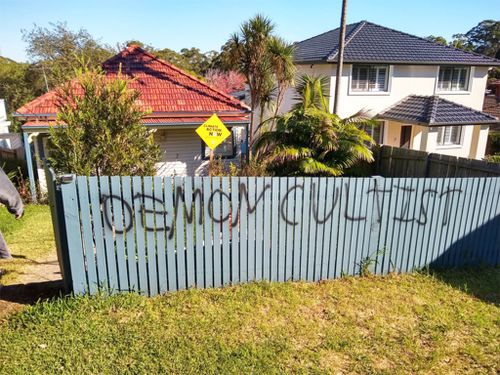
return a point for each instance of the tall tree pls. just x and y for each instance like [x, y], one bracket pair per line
[19, 83]
[199, 62]
[99, 131]
[58, 51]
[281, 56]
[485, 38]
[265, 60]
[248, 53]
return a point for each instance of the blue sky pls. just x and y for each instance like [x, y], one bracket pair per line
[208, 24]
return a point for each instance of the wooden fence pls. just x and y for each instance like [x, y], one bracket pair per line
[154, 234]
[8, 154]
[400, 162]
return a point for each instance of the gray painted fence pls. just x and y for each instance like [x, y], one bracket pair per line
[156, 234]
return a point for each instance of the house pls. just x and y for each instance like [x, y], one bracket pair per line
[178, 103]
[491, 103]
[10, 143]
[427, 96]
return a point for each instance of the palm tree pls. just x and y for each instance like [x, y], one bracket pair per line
[281, 58]
[312, 92]
[248, 52]
[309, 140]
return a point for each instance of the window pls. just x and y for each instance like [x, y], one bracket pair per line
[226, 150]
[371, 78]
[376, 131]
[449, 135]
[453, 78]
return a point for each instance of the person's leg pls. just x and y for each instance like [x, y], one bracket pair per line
[4, 249]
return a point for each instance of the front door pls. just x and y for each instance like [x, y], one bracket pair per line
[405, 136]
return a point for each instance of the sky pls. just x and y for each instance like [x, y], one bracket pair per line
[208, 24]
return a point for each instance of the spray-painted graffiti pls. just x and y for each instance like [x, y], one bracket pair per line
[410, 205]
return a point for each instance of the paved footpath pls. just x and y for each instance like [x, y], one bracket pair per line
[39, 280]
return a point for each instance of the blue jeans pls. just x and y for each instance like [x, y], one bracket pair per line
[4, 249]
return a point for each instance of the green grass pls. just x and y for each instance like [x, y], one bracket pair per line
[29, 240]
[444, 323]
[420, 323]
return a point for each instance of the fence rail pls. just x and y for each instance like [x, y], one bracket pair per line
[154, 234]
[400, 162]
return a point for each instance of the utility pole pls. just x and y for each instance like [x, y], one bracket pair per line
[340, 60]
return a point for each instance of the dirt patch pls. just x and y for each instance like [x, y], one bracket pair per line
[39, 280]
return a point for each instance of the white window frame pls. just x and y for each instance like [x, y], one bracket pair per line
[205, 150]
[369, 93]
[450, 145]
[381, 127]
[468, 89]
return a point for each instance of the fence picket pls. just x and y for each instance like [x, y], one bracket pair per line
[235, 230]
[259, 227]
[289, 229]
[297, 227]
[267, 245]
[150, 236]
[160, 226]
[190, 225]
[170, 226]
[226, 228]
[119, 227]
[72, 224]
[128, 217]
[198, 217]
[275, 202]
[243, 207]
[107, 208]
[180, 231]
[88, 242]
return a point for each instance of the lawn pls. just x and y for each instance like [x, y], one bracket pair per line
[30, 239]
[420, 323]
[447, 322]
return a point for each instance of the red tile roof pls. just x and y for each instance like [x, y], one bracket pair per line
[491, 105]
[172, 95]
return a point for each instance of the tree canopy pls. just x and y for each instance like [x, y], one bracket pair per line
[311, 141]
[19, 83]
[58, 51]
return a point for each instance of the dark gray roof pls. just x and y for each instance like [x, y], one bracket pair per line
[434, 111]
[368, 42]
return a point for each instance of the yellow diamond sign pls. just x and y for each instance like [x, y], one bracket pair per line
[213, 131]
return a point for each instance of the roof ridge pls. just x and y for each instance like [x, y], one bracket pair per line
[349, 37]
[179, 70]
[433, 43]
[433, 107]
[325, 32]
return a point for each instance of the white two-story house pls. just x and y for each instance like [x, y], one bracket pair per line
[427, 96]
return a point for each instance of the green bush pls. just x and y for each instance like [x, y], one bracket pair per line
[494, 142]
